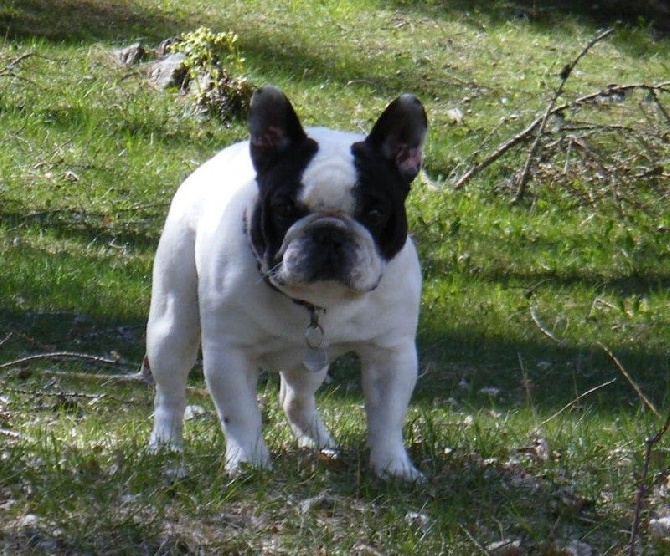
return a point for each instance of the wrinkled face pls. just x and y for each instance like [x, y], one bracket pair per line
[330, 208]
[332, 212]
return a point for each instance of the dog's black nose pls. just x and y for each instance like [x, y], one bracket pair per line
[329, 236]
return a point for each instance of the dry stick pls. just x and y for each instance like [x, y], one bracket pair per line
[632, 383]
[59, 355]
[495, 155]
[138, 377]
[565, 74]
[548, 333]
[6, 339]
[576, 400]
[641, 489]
[12, 434]
[480, 547]
[654, 95]
[133, 377]
[526, 133]
[649, 442]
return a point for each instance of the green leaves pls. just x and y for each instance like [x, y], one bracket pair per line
[214, 66]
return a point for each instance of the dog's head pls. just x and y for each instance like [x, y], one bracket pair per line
[331, 205]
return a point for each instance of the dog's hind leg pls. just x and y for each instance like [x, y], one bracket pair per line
[296, 395]
[173, 334]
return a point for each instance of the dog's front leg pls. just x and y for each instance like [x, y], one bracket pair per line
[389, 375]
[296, 396]
[232, 380]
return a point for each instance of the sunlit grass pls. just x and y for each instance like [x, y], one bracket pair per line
[523, 437]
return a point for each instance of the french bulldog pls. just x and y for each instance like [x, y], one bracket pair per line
[284, 252]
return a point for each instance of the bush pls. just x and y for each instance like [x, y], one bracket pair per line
[214, 68]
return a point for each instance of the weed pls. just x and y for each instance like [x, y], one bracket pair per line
[214, 66]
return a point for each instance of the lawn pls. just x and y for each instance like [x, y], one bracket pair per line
[544, 335]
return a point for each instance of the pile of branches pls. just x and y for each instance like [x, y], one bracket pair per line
[610, 144]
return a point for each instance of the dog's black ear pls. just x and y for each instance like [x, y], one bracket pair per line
[399, 134]
[274, 126]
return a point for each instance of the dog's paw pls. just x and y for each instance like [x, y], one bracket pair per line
[159, 445]
[409, 474]
[321, 442]
[397, 466]
[238, 461]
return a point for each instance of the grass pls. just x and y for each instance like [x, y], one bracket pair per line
[90, 157]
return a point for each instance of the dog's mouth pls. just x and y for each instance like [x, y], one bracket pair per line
[327, 251]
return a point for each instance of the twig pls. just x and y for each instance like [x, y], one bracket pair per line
[565, 74]
[6, 339]
[59, 355]
[134, 377]
[16, 61]
[9, 69]
[632, 383]
[548, 333]
[642, 487]
[576, 400]
[481, 548]
[525, 134]
[496, 154]
[13, 434]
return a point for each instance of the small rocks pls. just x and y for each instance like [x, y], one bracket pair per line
[660, 528]
[169, 71]
[130, 55]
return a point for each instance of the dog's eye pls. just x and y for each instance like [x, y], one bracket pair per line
[375, 217]
[285, 210]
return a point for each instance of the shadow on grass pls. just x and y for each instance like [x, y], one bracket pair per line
[120, 228]
[549, 14]
[84, 20]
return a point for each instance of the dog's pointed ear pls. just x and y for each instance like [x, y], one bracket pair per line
[399, 134]
[273, 125]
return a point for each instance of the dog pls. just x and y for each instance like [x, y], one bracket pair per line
[284, 252]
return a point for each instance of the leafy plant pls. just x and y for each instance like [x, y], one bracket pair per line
[214, 67]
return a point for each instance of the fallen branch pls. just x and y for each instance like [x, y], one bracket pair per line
[576, 400]
[6, 339]
[60, 355]
[479, 546]
[10, 68]
[565, 74]
[642, 486]
[13, 434]
[116, 377]
[632, 383]
[536, 319]
[650, 443]
[139, 377]
[520, 137]
[526, 134]
[637, 154]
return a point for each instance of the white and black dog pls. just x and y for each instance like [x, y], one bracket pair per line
[284, 252]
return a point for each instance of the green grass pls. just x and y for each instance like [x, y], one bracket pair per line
[90, 156]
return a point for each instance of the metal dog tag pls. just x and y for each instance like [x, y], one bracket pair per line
[315, 359]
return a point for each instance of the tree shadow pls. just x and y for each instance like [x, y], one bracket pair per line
[546, 14]
[84, 20]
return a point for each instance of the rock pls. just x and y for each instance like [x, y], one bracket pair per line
[577, 548]
[169, 72]
[130, 55]
[506, 547]
[660, 528]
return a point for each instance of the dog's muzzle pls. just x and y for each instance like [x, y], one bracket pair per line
[321, 248]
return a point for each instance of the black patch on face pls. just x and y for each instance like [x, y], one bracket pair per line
[380, 194]
[277, 207]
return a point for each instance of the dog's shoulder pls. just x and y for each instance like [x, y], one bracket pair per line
[214, 185]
